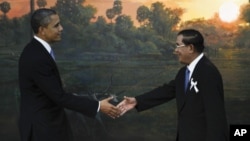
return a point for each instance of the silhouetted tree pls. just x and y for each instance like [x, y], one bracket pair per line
[5, 8]
[242, 40]
[101, 25]
[117, 7]
[110, 14]
[5, 32]
[245, 13]
[143, 14]
[41, 3]
[123, 25]
[163, 20]
[75, 12]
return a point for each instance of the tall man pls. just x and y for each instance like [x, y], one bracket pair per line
[200, 103]
[43, 99]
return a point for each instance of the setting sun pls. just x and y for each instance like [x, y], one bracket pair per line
[229, 12]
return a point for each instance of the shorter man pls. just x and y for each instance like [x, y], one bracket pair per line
[198, 89]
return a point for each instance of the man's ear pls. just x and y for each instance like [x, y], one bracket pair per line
[41, 30]
[192, 48]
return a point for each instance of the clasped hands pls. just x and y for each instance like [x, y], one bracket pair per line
[116, 111]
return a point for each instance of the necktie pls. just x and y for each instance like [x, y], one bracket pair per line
[52, 54]
[186, 79]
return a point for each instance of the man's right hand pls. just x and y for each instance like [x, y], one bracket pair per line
[127, 104]
[109, 109]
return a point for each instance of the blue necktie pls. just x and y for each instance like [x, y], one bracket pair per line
[52, 54]
[186, 79]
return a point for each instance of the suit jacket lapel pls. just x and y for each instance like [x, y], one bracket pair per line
[180, 89]
[195, 75]
[48, 56]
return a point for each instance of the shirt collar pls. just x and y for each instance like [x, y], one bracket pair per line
[192, 65]
[44, 43]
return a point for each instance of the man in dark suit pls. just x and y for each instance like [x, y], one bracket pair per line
[200, 106]
[43, 99]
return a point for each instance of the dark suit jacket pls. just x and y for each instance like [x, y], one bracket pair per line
[42, 115]
[201, 115]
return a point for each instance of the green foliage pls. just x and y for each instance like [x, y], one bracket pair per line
[163, 20]
[83, 32]
[143, 14]
[117, 7]
[74, 12]
[242, 40]
[245, 12]
[116, 10]
[123, 26]
[99, 37]
[14, 32]
[110, 14]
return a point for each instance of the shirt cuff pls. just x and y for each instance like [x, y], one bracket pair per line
[98, 106]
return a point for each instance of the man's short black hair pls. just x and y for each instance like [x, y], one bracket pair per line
[194, 37]
[41, 17]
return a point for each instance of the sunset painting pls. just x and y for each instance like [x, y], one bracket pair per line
[125, 48]
[193, 8]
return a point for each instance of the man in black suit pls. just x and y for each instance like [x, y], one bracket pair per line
[200, 106]
[43, 99]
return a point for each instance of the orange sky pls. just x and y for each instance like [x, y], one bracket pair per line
[194, 8]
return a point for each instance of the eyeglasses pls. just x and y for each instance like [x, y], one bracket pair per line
[179, 46]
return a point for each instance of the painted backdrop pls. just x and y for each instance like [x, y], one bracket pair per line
[124, 47]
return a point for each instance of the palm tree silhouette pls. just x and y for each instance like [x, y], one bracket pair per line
[41, 3]
[5, 8]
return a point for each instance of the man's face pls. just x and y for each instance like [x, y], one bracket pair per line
[182, 51]
[52, 33]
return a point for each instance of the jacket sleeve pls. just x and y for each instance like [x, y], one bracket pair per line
[47, 78]
[156, 97]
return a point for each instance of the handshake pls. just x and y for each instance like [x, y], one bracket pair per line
[116, 111]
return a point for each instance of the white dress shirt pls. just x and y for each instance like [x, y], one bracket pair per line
[192, 65]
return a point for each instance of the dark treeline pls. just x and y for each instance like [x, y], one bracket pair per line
[115, 38]
[116, 33]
